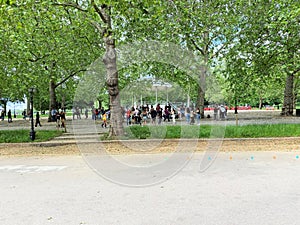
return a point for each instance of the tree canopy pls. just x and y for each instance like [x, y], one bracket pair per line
[249, 49]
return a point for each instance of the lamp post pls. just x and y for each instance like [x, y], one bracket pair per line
[32, 132]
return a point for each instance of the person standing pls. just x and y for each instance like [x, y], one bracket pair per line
[192, 116]
[188, 115]
[63, 120]
[2, 115]
[173, 115]
[58, 125]
[216, 110]
[86, 113]
[159, 115]
[144, 116]
[222, 112]
[53, 114]
[128, 117]
[198, 115]
[9, 116]
[104, 119]
[153, 114]
[166, 114]
[37, 120]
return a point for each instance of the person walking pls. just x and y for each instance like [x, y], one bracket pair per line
[9, 116]
[24, 114]
[37, 120]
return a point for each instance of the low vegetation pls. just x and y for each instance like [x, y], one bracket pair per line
[207, 131]
[20, 136]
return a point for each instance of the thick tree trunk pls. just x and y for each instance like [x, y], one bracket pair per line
[110, 61]
[288, 102]
[203, 74]
[200, 100]
[202, 86]
[112, 82]
[52, 103]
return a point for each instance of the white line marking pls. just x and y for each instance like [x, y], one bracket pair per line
[30, 169]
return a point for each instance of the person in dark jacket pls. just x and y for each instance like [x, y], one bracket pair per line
[9, 116]
[37, 120]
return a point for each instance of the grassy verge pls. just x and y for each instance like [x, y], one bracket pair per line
[207, 131]
[19, 136]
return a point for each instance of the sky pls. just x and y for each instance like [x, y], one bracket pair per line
[20, 106]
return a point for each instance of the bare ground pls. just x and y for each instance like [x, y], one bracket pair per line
[150, 146]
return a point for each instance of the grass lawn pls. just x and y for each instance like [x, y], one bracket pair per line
[207, 131]
[19, 136]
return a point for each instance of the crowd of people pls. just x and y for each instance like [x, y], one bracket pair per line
[142, 115]
[97, 114]
[159, 114]
[59, 116]
[220, 112]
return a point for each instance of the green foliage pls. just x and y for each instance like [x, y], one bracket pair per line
[43, 42]
[264, 52]
[207, 131]
[252, 44]
[19, 136]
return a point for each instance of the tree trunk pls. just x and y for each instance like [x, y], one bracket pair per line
[63, 102]
[200, 100]
[112, 82]
[203, 75]
[100, 103]
[5, 106]
[288, 102]
[202, 86]
[52, 103]
[28, 105]
[260, 102]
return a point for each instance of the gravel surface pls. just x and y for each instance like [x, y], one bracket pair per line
[139, 147]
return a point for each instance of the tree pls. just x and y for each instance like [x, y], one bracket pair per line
[266, 48]
[46, 46]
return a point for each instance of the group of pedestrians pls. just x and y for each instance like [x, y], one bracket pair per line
[191, 115]
[145, 114]
[9, 116]
[59, 116]
[156, 115]
[220, 112]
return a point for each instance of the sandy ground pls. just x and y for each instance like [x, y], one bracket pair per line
[148, 146]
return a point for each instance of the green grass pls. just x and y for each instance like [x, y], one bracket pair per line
[207, 131]
[19, 136]
[267, 130]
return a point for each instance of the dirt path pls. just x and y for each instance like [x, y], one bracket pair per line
[229, 145]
